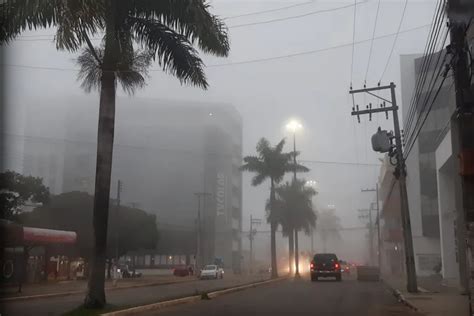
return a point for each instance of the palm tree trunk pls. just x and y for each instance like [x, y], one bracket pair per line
[291, 251]
[95, 297]
[273, 228]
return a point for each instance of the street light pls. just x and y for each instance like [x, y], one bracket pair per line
[293, 126]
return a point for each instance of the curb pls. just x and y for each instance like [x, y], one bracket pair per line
[60, 294]
[400, 297]
[188, 299]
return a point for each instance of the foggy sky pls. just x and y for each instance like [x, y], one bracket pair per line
[310, 87]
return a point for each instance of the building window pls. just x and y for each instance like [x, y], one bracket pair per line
[147, 260]
[157, 259]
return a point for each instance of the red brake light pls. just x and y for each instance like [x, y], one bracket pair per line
[336, 265]
[312, 265]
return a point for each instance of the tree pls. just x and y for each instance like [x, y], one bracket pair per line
[73, 211]
[329, 225]
[16, 190]
[270, 163]
[293, 208]
[134, 33]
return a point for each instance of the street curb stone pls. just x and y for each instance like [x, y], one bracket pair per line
[188, 299]
[399, 296]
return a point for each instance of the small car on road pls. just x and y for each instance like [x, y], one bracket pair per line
[211, 271]
[325, 265]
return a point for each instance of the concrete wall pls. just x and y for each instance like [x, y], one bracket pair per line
[447, 214]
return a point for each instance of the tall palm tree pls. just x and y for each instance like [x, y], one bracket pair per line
[271, 163]
[133, 34]
[293, 208]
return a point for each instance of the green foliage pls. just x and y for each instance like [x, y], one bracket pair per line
[73, 211]
[270, 163]
[164, 30]
[16, 190]
[293, 207]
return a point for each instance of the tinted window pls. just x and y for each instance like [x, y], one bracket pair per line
[210, 267]
[325, 257]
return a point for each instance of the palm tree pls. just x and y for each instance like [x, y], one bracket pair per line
[293, 208]
[133, 34]
[270, 163]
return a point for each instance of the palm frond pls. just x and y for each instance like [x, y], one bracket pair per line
[90, 71]
[190, 18]
[174, 52]
[280, 145]
[258, 179]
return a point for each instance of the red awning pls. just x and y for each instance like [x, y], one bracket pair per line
[42, 236]
[14, 235]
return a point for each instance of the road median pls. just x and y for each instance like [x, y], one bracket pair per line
[189, 299]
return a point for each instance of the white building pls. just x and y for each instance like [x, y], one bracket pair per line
[430, 171]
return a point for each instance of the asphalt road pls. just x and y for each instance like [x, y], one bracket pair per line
[122, 297]
[300, 297]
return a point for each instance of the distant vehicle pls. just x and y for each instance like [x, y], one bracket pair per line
[211, 271]
[325, 265]
[128, 272]
[345, 267]
[181, 271]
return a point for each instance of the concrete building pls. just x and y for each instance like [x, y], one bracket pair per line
[164, 153]
[430, 169]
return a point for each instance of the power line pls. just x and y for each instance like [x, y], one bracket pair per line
[430, 48]
[372, 43]
[342, 163]
[236, 25]
[258, 60]
[407, 152]
[268, 11]
[434, 77]
[394, 41]
[353, 41]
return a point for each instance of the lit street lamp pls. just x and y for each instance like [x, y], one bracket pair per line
[293, 126]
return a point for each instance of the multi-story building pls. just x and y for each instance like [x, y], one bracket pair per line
[429, 167]
[165, 152]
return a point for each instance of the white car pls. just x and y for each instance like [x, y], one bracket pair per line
[211, 271]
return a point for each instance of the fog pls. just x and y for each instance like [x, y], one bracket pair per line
[297, 67]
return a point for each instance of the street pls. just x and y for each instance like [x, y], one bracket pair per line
[301, 297]
[123, 297]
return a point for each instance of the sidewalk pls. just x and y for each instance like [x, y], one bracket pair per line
[433, 299]
[79, 286]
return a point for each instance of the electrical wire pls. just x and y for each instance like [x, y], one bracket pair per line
[410, 129]
[268, 11]
[353, 42]
[427, 55]
[407, 152]
[394, 41]
[434, 77]
[258, 60]
[372, 43]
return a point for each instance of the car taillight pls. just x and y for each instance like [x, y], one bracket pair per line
[312, 265]
[336, 265]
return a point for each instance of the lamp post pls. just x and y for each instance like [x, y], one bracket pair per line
[314, 185]
[293, 126]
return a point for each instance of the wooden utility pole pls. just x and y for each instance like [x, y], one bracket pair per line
[462, 131]
[400, 173]
[252, 233]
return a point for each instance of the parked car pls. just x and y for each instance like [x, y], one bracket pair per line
[183, 271]
[345, 267]
[128, 272]
[325, 265]
[211, 271]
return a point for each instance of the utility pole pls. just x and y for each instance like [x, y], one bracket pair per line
[252, 234]
[367, 213]
[462, 129]
[400, 172]
[198, 260]
[119, 190]
[379, 244]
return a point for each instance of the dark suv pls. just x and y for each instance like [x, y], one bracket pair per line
[325, 265]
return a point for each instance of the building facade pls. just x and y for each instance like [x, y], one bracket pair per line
[165, 153]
